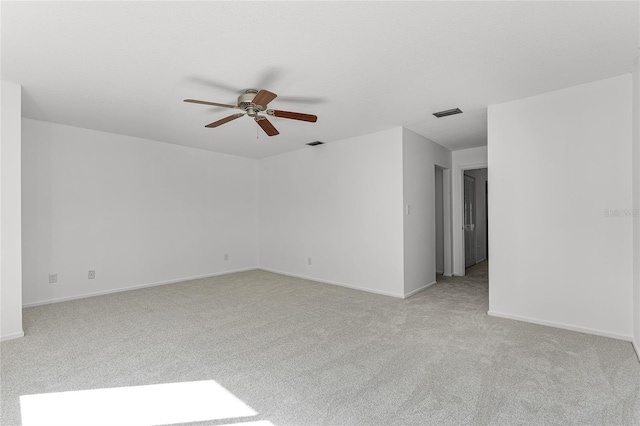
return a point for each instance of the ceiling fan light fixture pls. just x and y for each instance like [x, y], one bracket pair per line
[448, 112]
[316, 143]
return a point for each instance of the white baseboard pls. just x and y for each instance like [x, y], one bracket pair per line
[418, 290]
[563, 326]
[135, 287]
[339, 284]
[439, 272]
[12, 336]
[481, 260]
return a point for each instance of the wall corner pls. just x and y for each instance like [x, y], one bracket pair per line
[11, 211]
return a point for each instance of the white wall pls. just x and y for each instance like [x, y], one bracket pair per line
[557, 163]
[636, 204]
[419, 158]
[136, 211]
[10, 213]
[464, 159]
[339, 204]
[480, 176]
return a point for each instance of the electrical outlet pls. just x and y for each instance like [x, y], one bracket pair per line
[226, 256]
[53, 278]
[92, 274]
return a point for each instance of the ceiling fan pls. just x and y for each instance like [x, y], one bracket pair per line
[253, 102]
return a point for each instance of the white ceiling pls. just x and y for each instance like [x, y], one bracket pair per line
[361, 67]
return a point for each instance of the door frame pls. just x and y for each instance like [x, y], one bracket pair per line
[447, 219]
[474, 216]
[458, 214]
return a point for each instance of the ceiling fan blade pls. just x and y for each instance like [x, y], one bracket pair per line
[225, 120]
[267, 126]
[269, 77]
[302, 99]
[263, 97]
[293, 115]
[194, 101]
[215, 84]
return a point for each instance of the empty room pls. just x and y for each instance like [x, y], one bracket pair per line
[320, 213]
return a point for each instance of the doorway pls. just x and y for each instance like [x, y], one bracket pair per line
[440, 232]
[469, 223]
[475, 222]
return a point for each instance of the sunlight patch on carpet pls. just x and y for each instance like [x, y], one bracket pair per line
[159, 404]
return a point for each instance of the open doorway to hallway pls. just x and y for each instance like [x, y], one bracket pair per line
[439, 203]
[475, 217]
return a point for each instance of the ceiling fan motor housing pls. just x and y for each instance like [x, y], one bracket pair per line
[245, 102]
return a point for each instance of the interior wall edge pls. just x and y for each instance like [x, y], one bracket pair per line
[11, 336]
[11, 223]
[636, 200]
[596, 332]
[419, 289]
[336, 283]
[131, 288]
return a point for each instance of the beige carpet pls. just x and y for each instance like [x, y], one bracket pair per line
[305, 353]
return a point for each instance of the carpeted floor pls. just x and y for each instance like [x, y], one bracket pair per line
[305, 353]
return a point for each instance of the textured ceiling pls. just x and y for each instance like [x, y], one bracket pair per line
[361, 67]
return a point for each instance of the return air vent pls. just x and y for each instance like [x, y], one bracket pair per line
[315, 143]
[448, 112]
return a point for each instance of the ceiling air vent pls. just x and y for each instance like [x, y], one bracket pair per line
[447, 112]
[315, 143]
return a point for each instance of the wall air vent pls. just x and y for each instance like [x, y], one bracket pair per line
[448, 112]
[315, 143]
